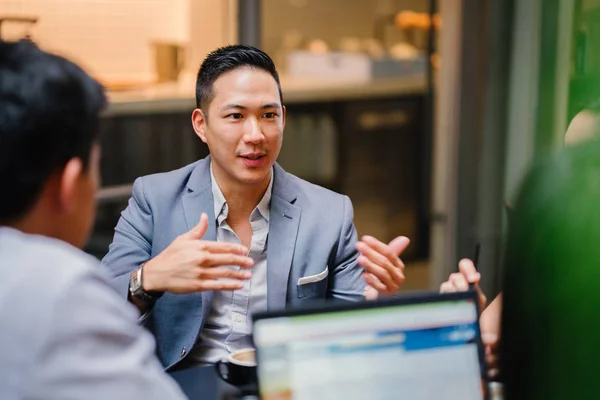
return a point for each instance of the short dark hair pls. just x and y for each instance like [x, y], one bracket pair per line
[228, 58]
[49, 113]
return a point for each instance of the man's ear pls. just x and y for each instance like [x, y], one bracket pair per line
[69, 180]
[199, 123]
[283, 113]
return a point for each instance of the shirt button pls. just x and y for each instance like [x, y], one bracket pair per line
[239, 318]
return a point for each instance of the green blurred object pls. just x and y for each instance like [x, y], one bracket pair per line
[551, 315]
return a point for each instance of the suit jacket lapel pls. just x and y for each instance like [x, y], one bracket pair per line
[198, 200]
[284, 219]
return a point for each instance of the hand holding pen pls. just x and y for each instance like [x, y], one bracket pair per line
[466, 279]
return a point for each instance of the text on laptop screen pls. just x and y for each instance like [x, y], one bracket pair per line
[417, 351]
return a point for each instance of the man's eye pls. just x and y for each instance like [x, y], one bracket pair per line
[235, 116]
[270, 115]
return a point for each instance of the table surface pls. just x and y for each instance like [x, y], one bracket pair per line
[203, 383]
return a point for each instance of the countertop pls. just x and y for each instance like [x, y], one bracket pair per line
[179, 96]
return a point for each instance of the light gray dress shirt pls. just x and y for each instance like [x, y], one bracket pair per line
[66, 333]
[229, 323]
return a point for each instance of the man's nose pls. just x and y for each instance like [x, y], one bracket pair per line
[253, 132]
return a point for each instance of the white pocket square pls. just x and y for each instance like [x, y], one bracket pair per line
[314, 278]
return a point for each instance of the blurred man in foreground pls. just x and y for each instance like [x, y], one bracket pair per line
[65, 332]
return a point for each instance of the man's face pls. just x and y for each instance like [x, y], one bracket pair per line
[81, 212]
[244, 126]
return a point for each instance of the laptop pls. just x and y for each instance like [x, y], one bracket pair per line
[421, 346]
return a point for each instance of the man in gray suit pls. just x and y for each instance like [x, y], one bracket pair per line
[202, 248]
[65, 333]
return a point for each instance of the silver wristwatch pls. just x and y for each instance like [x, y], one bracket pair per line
[136, 289]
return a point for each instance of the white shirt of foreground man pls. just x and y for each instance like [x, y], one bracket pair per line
[66, 334]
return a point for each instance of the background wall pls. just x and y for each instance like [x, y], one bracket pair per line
[111, 38]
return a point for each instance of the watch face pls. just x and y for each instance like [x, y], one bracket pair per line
[135, 282]
[136, 290]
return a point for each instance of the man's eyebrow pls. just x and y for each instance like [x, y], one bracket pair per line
[271, 105]
[234, 106]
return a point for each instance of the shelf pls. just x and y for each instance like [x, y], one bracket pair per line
[176, 97]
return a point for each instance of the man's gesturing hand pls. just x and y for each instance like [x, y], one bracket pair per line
[190, 264]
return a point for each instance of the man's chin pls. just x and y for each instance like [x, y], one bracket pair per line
[254, 176]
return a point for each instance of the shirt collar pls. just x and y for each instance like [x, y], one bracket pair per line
[222, 209]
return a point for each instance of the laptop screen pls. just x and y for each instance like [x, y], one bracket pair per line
[425, 350]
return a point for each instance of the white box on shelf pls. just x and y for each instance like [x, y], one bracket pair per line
[332, 66]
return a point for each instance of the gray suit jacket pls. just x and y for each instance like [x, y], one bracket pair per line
[310, 247]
